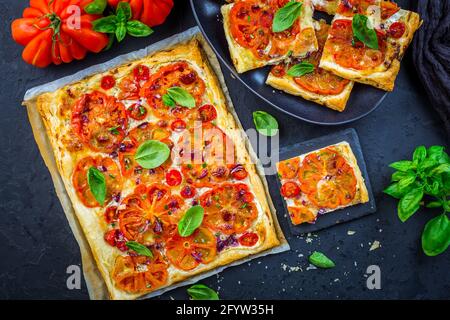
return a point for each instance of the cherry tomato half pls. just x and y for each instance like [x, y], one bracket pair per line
[108, 82]
[238, 172]
[290, 189]
[178, 125]
[173, 178]
[137, 111]
[207, 113]
[248, 239]
[141, 73]
[397, 29]
[188, 192]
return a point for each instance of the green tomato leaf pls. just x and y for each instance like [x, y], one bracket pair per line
[436, 235]
[202, 292]
[151, 154]
[105, 25]
[364, 31]
[409, 204]
[181, 97]
[403, 165]
[136, 28]
[191, 220]
[96, 7]
[300, 69]
[265, 123]
[121, 31]
[139, 248]
[285, 17]
[97, 184]
[123, 11]
[320, 260]
[419, 154]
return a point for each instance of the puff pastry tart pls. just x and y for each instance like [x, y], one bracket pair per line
[377, 65]
[321, 181]
[251, 39]
[319, 85]
[104, 131]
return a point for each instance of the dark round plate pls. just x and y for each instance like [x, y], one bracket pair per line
[363, 99]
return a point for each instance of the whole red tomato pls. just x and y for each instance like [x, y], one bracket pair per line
[56, 31]
[150, 12]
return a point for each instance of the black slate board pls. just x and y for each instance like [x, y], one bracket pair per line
[341, 215]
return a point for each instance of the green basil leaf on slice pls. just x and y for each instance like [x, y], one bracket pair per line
[96, 7]
[97, 184]
[202, 292]
[151, 154]
[419, 154]
[403, 165]
[136, 28]
[300, 69]
[364, 31]
[123, 11]
[285, 17]
[320, 260]
[181, 97]
[168, 101]
[191, 220]
[121, 31]
[105, 25]
[139, 248]
[265, 123]
[436, 235]
[409, 204]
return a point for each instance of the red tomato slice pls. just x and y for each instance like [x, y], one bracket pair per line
[290, 189]
[397, 29]
[238, 172]
[108, 82]
[173, 178]
[249, 239]
[178, 125]
[207, 113]
[137, 112]
[188, 192]
[141, 73]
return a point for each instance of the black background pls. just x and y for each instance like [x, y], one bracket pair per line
[36, 244]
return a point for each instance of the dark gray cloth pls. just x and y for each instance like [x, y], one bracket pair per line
[431, 54]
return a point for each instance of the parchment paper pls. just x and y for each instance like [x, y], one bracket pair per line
[94, 281]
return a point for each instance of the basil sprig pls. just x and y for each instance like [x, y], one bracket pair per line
[300, 69]
[320, 260]
[120, 24]
[202, 292]
[364, 31]
[96, 7]
[265, 123]
[427, 174]
[180, 96]
[285, 17]
[191, 220]
[151, 154]
[97, 184]
[139, 248]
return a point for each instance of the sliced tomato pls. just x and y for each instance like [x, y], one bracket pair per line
[173, 178]
[178, 125]
[186, 253]
[140, 274]
[327, 179]
[249, 239]
[301, 215]
[207, 113]
[110, 171]
[238, 172]
[278, 70]
[137, 111]
[148, 131]
[188, 192]
[108, 82]
[397, 30]
[141, 73]
[111, 214]
[99, 121]
[350, 7]
[229, 208]
[288, 169]
[290, 189]
[129, 88]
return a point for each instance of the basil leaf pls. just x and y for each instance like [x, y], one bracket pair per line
[168, 101]
[436, 235]
[409, 204]
[151, 154]
[181, 97]
[437, 153]
[320, 260]
[138, 29]
[300, 69]
[442, 168]
[96, 7]
[285, 17]
[202, 292]
[364, 32]
[97, 184]
[403, 165]
[139, 248]
[434, 204]
[399, 175]
[110, 42]
[419, 154]
[105, 25]
[406, 181]
[121, 31]
[394, 190]
[123, 11]
[266, 124]
[191, 220]
[427, 164]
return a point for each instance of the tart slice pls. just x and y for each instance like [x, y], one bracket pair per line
[387, 31]
[321, 181]
[320, 86]
[248, 26]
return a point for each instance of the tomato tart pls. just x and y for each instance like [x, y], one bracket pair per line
[367, 40]
[328, 6]
[319, 85]
[320, 182]
[147, 154]
[251, 38]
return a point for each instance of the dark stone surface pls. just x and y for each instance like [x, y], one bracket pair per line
[37, 245]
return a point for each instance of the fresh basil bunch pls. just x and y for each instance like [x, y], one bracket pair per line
[119, 24]
[427, 176]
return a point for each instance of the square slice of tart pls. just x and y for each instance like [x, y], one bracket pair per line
[346, 56]
[253, 43]
[320, 86]
[320, 182]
